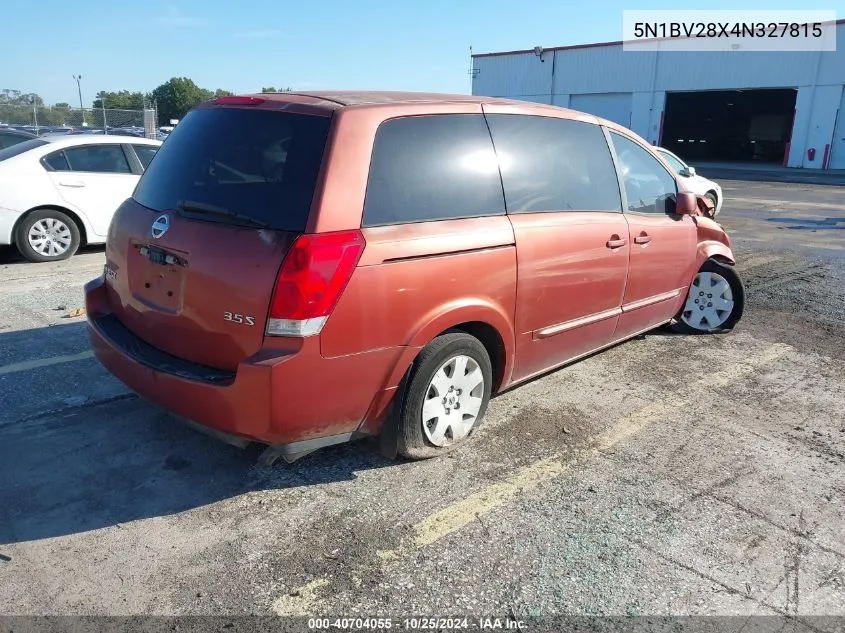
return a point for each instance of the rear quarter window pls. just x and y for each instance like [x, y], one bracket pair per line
[432, 167]
[145, 153]
[56, 161]
[260, 163]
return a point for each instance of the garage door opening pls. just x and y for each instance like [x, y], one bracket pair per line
[729, 125]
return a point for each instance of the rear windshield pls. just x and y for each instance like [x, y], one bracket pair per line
[258, 163]
[20, 148]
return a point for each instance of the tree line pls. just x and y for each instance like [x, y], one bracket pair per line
[172, 99]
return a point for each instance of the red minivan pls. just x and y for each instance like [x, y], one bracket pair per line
[299, 270]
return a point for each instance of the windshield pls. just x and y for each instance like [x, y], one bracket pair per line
[259, 164]
[20, 148]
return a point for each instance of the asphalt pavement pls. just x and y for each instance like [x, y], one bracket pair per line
[666, 476]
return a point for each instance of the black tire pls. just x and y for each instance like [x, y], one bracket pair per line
[712, 198]
[737, 292]
[412, 441]
[22, 233]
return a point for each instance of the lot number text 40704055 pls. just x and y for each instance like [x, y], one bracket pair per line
[416, 623]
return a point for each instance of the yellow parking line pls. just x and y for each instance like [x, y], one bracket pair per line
[461, 513]
[454, 517]
[656, 410]
[299, 601]
[44, 362]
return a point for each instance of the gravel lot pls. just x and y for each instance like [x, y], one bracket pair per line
[666, 476]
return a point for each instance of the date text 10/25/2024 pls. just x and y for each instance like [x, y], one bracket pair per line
[416, 623]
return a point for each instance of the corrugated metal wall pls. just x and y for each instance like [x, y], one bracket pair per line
[603, 69]
[522, 76]
[682, 70]
[613, 106]
[560, 76]
[832, 68]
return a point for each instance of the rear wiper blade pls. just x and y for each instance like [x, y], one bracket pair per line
[192, 206]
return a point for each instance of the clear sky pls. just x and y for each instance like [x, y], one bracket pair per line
[334, 44]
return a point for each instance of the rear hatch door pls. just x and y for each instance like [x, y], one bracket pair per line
[193, 256]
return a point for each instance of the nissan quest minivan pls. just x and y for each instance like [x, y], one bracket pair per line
[299, 270]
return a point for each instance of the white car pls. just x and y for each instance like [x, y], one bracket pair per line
[59, 193]
[698, 185]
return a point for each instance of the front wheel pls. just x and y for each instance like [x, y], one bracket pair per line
[715, 301]
[714, 201]
[447, 396]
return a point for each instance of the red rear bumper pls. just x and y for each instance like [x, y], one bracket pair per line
[286, 393]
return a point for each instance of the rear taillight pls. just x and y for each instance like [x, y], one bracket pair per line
[311, 280]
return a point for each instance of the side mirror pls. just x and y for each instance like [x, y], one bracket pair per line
[688, 172]
[686, 203]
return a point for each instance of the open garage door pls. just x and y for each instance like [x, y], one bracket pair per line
[614, 106]
[729, 125]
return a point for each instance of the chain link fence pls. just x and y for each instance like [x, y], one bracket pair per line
[56, 120]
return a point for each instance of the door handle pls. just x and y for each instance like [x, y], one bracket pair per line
[615, 242]
[74, 184]
[642, 239]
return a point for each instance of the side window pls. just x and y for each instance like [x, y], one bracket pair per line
[56, 161]
[648, 186]
[434, 167]
[145, 153]
[103, 159]
[551, 164]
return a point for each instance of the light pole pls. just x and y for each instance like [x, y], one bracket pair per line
[103, 106]
[79, 88]
[35, 114]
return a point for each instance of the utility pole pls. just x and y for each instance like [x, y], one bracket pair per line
[78, 79]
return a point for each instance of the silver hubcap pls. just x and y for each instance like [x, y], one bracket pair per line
[452, 401]
[710, 302]
[50, 237]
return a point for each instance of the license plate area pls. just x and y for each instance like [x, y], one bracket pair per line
[161, 257]
[158, 278]
[156, 256]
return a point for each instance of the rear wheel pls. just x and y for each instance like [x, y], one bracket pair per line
[715, 301]
[447, 396]
[47, 235]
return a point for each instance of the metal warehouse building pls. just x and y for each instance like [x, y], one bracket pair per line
[728, 105]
